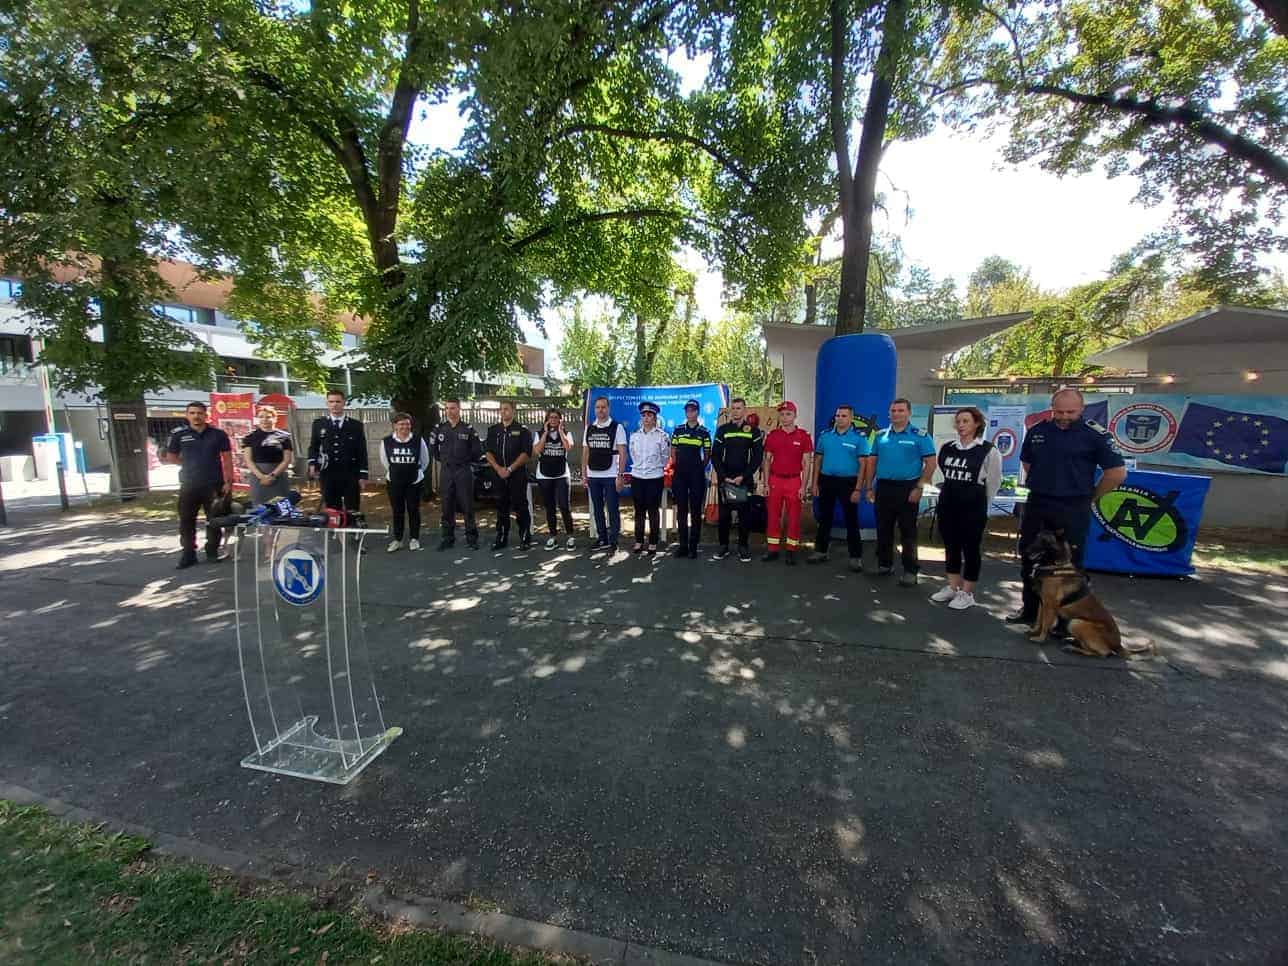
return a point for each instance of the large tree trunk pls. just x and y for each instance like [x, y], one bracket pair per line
[858, 190]
[126, 409]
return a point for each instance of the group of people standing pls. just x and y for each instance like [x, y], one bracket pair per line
[890, 469]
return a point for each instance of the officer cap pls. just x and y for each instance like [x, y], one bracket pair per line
[788, 405]
[692, 404]
[649, 407]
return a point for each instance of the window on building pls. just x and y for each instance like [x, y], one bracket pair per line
[10, 288]
[15, 352]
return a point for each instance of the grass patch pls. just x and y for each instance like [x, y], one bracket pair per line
[1237, 548]
[76, 894]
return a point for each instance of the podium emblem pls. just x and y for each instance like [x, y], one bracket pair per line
[298, 575]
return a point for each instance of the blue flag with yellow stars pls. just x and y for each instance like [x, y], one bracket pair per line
[1249, 441]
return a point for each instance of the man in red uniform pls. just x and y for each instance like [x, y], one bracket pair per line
[787, 452]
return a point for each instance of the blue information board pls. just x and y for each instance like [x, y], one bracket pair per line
[624, 402]
[1148, 525]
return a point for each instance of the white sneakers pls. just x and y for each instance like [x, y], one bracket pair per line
[393, 547]
[551, 543]
[572, 543]
[414, 545]
[957, 599]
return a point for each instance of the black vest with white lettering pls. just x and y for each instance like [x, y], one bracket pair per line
[403, 459]
[554, 460]
[963, 469]
[599, 443]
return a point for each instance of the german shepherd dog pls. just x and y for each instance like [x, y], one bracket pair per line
[1065, 591]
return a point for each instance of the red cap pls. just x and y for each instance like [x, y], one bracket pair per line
[786, 404]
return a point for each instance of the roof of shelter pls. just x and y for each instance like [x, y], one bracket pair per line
[1219, 325]
[944, 337]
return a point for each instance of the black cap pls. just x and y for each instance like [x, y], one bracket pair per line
[649, 407]
[692, 404]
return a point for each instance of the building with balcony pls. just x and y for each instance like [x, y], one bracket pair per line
[197, 304]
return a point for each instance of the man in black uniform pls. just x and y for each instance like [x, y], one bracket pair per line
[736, 454]
[338, 454]
[1060, 456]
[457, 446]
[690, 447]
[508, 449]
[205, 457]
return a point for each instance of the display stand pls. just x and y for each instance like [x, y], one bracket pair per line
[310, 695]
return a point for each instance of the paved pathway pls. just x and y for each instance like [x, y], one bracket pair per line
[745, 763]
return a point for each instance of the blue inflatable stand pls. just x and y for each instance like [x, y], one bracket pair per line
[859, 371]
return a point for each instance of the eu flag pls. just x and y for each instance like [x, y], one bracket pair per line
[1247, 440]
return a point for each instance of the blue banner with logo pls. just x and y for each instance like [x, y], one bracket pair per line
[624, 403]
[1148, 525]
[1005, 431]
[1243, 434]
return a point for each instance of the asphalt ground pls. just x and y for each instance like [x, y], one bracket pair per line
[744, 762]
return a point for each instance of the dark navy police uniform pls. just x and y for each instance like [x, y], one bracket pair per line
[338, 448]
[201, 478]
[458, 449]
[692, 445]
[507, 444]
[1061, 479]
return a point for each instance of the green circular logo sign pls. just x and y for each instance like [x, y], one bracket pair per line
[1142, 518]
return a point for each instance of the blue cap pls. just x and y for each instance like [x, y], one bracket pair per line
[648, 407]
[692, 404]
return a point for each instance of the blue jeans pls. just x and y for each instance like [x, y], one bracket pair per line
[604, 491]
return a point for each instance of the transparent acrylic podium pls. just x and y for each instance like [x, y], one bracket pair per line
[310, 693]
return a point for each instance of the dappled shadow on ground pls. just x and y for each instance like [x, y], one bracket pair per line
[740, 761]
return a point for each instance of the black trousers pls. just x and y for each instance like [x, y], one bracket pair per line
[727, 510]
[831, 490]
[512, 497]
[405, 497]
[963, 516]
[893, 507]
[647, 495]
[457, 483]
[554, 494]
[191, 499]
[690, 491]
[1072, 515]
[340, 491]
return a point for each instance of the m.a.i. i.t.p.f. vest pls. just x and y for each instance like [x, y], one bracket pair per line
[403, 459]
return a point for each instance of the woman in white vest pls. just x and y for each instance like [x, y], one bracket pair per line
[650, 448]
[405, 456]
[972, 469]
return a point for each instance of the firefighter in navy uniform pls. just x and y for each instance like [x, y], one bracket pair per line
[457, 446]
[508, 449]
[690, 447]
[1060, 456]
[736, 455]
[338, 455]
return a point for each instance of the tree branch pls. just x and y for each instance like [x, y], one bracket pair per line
[836, 110]
[393, 135]
[1154, 114]
[663, 134]
[618, 214]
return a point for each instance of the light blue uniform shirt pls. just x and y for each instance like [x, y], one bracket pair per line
[899, 455]
[841, 453]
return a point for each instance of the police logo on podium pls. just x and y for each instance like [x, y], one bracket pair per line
[298, 576]
[1141, 518]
